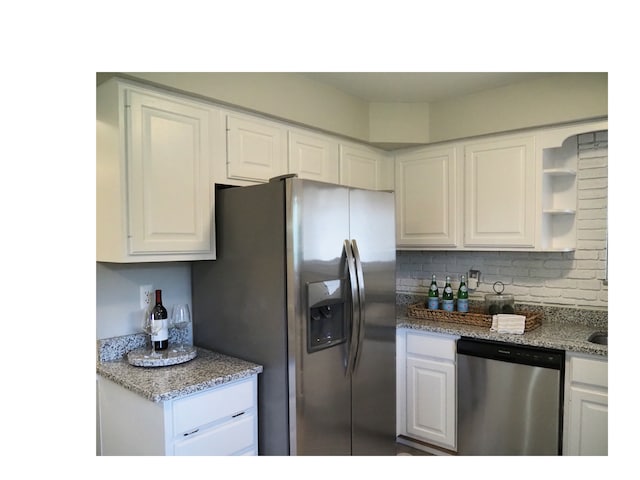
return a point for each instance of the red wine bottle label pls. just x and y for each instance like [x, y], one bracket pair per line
[163, 333]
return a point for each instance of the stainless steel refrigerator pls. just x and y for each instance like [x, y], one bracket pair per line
[304, 284]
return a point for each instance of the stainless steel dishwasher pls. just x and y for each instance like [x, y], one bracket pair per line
[509, 398]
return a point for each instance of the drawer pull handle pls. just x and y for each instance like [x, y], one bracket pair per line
[237, 415]
[191, 433]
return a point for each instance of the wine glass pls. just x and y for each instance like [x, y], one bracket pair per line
[151, 328]
[180, 318]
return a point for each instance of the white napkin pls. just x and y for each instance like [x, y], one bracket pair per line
[508, 323]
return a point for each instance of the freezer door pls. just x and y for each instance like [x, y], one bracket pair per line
[318, 320]
[372, 230]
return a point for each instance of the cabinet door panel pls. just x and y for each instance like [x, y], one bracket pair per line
[313, 157]
[170, 198]
[360, 167]
[431, 346]
[430, 401]
[589, 371]
[201, 409]
[500, 200]
[589, 422]
[256, 149]
[426, 198]
[228, 439]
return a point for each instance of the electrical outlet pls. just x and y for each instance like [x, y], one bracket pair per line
[146, 296]
[473, 280]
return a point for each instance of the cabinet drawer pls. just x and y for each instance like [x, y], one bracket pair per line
[228, 439]
[210, 406]
[589, 371]
[431, 346]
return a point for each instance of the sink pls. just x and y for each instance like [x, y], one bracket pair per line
[601, 338]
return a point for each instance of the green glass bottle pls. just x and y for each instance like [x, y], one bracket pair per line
[447, 296]
[432, 301]
[463, 295]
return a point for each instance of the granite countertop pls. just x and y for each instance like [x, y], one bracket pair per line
[563, 329]
[158, 384]
[563, 334]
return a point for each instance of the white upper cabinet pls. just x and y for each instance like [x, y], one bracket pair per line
[513, 192]
[365, 167]
[154, 175]
[256, 148]
[426, 202]
[159, 155]
[314, 157]
[500, 196]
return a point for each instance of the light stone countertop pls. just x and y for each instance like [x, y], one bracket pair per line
[562, 329]
[571, 337]
[158, 384]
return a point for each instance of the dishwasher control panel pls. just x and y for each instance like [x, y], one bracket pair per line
[508, 352]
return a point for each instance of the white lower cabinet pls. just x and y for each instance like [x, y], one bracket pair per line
[586, 410]
[219, 421]
[427, 388]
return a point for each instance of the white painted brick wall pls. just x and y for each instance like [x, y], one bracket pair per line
[571, 279]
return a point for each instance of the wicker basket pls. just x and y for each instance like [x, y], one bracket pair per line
[474, 317]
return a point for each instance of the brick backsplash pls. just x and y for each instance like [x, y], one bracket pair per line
[569, 279]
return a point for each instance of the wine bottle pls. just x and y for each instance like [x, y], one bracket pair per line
[432, 302]
[447, 296]
[463, 295]
[159, 314]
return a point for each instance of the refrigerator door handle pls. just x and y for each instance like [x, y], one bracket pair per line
[355, 308]
[361, 303]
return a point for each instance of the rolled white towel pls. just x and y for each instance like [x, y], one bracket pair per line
[508, 323]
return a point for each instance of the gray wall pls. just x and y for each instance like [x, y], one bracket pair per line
[285, 96]
[117, 293]
[557, 98]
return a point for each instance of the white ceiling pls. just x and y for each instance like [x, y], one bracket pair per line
[417, 86]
